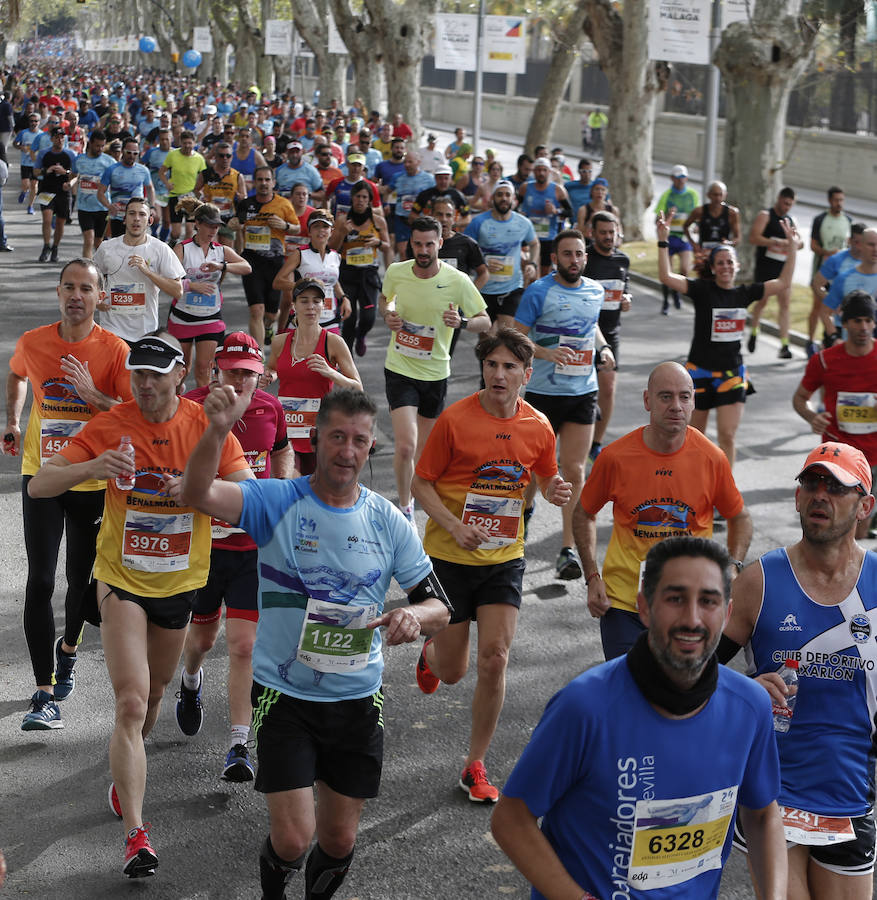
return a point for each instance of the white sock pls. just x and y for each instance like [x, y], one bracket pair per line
[192, 682]
[240, 734]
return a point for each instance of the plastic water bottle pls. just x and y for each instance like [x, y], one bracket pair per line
[126, 482]
[782, 715]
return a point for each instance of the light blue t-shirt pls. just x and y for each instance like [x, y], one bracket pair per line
[90, 169]
[344, 556]
[407, 188]
[837, 264]
[609, 774]
[501, 240]
[851, 280]
[533, 207]
[154, 159]
[125, 182]
[555, 312]
[287, 178]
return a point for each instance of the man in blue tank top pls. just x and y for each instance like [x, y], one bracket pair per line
[631, 769]
[816, 602]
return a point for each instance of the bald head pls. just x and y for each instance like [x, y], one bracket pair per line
[668, 370]
[669, 400]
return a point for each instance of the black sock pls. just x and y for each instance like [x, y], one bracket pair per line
[324, 874]
[274, 872]
[666, 292]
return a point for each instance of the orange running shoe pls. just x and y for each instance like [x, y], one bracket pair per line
[426, 681]
[140, 858]
[476, 784]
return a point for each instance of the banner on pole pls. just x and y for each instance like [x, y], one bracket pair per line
[456, 37]
[202, 40]
[504, 48]
[278, 37]
[679, 30]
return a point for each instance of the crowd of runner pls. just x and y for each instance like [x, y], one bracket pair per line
[191, 468]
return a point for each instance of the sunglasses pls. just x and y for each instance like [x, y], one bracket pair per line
[223, 156]
[811, 483]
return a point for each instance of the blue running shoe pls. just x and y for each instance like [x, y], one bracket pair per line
[238, 767]
[190, 713]
[65, 677]
[44, 714]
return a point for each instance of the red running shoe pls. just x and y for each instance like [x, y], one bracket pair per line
[140, 858]
[476, 784]
[426, 681]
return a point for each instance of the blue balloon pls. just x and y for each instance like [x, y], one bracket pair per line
[148, 44]
[191, 59]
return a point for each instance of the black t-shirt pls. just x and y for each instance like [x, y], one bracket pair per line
[717, 327]
[51, 182]
[424, 199]
[608, 268]
[461, 252]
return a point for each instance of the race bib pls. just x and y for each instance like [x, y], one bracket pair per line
[362, 256]
[157, 542]
[88, 185]
[778, 255]
[407, 202]
[501, 268]
[728, 325]
[334, 637]
[258, 238]
[499, 516]
[451, 261]
[415, 341]
[814, 830]
[675, 840]
[223, 204]
[200, 304]
[295, 242]
[45, 198]
[300, 414]
[856, 413]
[541, 225]
[613, 294]
[128, 298]
[583, 361]
[55, 435]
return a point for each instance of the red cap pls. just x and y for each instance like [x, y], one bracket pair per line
[240, 351]
[847, 464]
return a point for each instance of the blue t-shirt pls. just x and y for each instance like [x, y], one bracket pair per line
[125, 182]
[833, 720]
[287, 178]
[533, 207]
[90, 169]
[836, 264]
[557, 313]
[342, 556]
[41, 143]
[407, 188]
[579, 193]
[24, 141]
[388, 171]
[501, 240]
[609, 774]
[154, 159]
[851, 280]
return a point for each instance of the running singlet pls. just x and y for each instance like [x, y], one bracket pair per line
[421, 348]
[850, 384]
[480, 466]
[194, 308]
[147, 544]
[612, 272]
[58, 412]
[833, 721]
[221, 192]
[323, 575]
[719, 320]
[300, 390]
[640, 806]
[500, 241]
[324, 269]
[713, 230]
[655, 496]
[261, 432]
[768, 262]
[562, 316]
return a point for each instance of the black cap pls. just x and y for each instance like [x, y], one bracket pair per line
[153, 353]
[856, 305]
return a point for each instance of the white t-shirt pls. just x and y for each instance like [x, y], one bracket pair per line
[133, 296]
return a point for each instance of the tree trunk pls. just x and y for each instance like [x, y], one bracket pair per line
[566, 52]
[843, 84]
[405, 33]
[311, 20]
[760, 62]
[361, 39]
[634, 82]
[245, 56]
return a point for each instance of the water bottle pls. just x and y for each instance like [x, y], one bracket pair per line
[782, 715]
[126, 482]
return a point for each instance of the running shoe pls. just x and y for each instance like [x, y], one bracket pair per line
[113, 797]
[426, 681]
[476, 784]
[21, 196]
[238, 767]
[44, 714]
[812, 349]
[44, 255]
[54, 255]
[676, 301]
[30, 211]
[750, 344]
[665, 308]
[360, 346]
[190, 713]
[567, 567]
[65, 677]
[785, 352]
[7, 248]
[140, 858]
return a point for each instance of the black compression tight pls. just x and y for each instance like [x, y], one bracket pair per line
[45, 520]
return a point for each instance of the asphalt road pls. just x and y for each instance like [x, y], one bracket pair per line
[422, 837]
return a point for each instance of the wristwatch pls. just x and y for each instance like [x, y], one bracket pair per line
[463, 323]
[737, 564]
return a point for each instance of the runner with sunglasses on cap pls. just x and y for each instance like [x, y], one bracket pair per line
[152, 555]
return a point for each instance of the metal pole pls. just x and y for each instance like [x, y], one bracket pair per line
[712, 101]
[476, 125]
[292, 67]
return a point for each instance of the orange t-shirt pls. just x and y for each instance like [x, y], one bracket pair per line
[58, 412]
[147, 544]
[655, 496]
[480, 466]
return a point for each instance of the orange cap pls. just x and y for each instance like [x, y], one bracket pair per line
[847, 464]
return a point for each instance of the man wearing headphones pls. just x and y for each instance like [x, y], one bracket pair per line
[328, 549]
